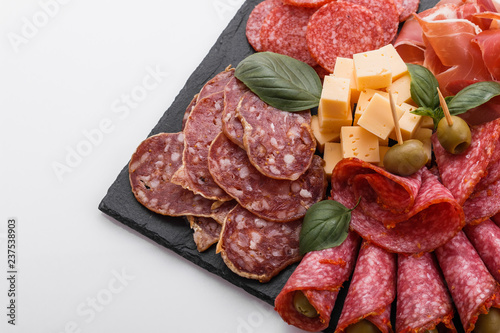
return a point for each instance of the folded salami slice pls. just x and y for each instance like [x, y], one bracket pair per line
[279, 144]
[429, 217]
[485, 237]
[372, 289]
[472, 287]
[231, 125]
[271, 199]
[203, 125]
[472, 177]
[256, 19]
[423, 301]
[255, 248]
[206, 231]
[319, 276]
[150, 170]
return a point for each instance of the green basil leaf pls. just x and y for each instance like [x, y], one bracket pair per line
[325, 225]
[423, 111]
[280, 81]
[473, 96]
[423, 86]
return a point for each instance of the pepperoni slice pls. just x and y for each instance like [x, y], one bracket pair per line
[284, 32]
[340, 29]
[307, 3]
[256, 19]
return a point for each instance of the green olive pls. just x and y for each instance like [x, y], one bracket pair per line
[362, 326]
[455, 138]
[302, 305]
[405, 159]
[488, 323]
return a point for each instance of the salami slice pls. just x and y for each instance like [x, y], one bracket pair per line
[307, 3]
[340, 29]
[258, 249]
[485, 237]
[279, 144]
[270, 199]
[423, 301]
[429, 221]
[256, 19]
[203, 125]
[472, 176]
[231, 125]
[217, 83]
[406, 8]
[206, 231]
[150, 170]
[319, 276]
[372, 289]
[188, 110]
[472, 287]
[496, 219]
[284, 32]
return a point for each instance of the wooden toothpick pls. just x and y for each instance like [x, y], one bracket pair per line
[446, 111]
[397, 129]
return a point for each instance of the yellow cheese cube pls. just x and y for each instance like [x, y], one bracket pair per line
[424, 135]
[344, 68]
[382, 151]
[332, 125]
[398, 66]
[322, 138]
[364, 98]
[427, 122]
[358, 142]
[409, 123]
[377, 117]
[332, 155]
[372, 70]
[402, 87]
[335, 99]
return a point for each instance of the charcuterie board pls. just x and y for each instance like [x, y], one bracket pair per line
[174, 233]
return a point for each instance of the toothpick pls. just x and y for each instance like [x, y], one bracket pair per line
[446, 111]
[397, 129]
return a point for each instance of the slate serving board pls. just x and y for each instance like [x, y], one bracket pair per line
[174, 232]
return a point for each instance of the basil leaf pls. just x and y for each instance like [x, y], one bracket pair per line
[473, 96]
[423, 86]
[325, 225]
[280, 81]
[423, 111]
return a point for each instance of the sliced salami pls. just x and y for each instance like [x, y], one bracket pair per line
[307, 3]
[206, 231]
[256, 19]
[485, 237]
[270, 199]
[423, 301]
[217, 83]
[340, 29]
[279, 144]
[472, 176]
[150, 170]
[429, 221]
[188, 110]
[258, 249]
[231, 125]
[406, 8]
[319, 276]
[372, 290]
[472, 287]
[203, 125]
[284, 32]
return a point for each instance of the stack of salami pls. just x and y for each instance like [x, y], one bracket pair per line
[318, 31]
[244, 174]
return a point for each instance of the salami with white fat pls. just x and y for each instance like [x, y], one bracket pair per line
[206, 231]
[256, 19]
[231, 125]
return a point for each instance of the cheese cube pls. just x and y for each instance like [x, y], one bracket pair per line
[344, 68]
[377, 118]
[427, 122]
[333, 125]
[402, 87]
[382, 151]
[409, 123]
[424, 135]
[372, 70]
[398, 66]
[358, 142]
[335, 99]
[322, 138]
[364, 98]
[332, 155]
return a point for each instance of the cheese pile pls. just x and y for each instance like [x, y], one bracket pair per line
[363, 82]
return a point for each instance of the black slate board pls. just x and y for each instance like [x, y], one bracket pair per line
[174, 232]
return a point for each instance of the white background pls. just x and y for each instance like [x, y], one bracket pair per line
[65, 69]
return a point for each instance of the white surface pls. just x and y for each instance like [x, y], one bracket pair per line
[63, 79]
